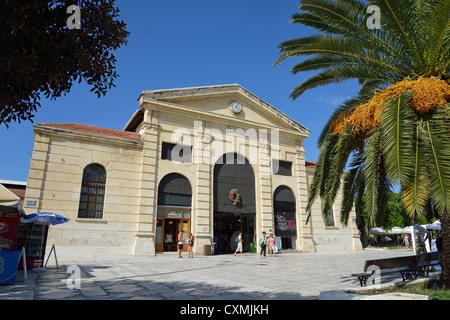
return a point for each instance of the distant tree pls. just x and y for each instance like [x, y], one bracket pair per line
[395, 215]
[41, 55]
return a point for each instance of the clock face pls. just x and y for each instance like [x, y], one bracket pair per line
[235, 107]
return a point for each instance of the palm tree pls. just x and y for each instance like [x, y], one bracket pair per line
[396, 131]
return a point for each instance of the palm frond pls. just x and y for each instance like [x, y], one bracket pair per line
[436, 131]
[378, 186]
[320, 178]
[397, 127]
[353, 186]
[416, 191]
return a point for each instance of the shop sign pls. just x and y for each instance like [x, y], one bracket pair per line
[173, 214]
[8, 232]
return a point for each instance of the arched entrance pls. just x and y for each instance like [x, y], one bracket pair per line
[174, 211]
[233, 174]
[284, 216]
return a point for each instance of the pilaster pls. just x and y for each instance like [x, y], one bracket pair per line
[264, 185]
[203, 206]
[36, 176]
[304, 231]
[145, 234]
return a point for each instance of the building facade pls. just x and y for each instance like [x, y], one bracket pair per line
[212, 161]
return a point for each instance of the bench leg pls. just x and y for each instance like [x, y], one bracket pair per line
[409, 274]
[363, 281]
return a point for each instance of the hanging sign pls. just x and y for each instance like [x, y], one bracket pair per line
[285, 225]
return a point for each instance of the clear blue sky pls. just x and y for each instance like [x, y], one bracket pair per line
[179, 43]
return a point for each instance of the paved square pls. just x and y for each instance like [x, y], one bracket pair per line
[289, 276]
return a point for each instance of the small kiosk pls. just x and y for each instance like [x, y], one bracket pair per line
[11, 212]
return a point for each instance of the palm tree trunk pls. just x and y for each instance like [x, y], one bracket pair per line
[445, 233]
[364, 236]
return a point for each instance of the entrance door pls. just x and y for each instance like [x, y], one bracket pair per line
[233, 171]
[284, 216]
[174, 210]
[171, 229]
[227, 227]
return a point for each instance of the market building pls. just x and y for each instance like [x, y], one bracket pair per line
[214, 161]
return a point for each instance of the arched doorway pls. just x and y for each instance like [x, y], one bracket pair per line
[233, 171]
[284, 216]
[174, 211]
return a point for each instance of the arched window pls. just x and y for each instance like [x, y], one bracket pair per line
[174, 190]
[92, 194]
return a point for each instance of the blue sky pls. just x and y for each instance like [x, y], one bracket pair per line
[179, 43]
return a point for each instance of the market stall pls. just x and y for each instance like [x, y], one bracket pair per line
[11, 212]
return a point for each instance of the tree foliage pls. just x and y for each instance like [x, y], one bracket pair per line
[396, 130]
[41, 56]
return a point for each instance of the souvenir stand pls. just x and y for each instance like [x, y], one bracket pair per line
[11, 212]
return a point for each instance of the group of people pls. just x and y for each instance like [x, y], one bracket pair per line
[264, 243]
[267, 241]
[181, 241]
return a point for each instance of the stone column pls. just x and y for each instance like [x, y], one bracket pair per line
[146, 229]
[305, 241]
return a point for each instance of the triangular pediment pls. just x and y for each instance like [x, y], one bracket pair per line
[216, 101]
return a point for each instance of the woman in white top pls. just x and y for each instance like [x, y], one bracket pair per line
[239, 244]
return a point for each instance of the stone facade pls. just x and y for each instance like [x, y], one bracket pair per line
[197, 117]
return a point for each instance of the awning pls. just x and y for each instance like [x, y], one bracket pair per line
[394, 230]
[434, 226]
[10, 203]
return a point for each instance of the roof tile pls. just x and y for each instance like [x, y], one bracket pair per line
[95, 130]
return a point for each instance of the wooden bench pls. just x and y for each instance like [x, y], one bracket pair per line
[410, 267]
[426, 261]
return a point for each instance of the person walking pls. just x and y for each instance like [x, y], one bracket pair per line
[406, 241]
[421, 236]
[263, 243]
[271, 243]
[180, 243]
[239, 244]
[191, 245]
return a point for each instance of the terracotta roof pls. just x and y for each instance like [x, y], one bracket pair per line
[310, 164]
[95, 130]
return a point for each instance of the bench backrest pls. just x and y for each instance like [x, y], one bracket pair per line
[430, 256]
[391, 263]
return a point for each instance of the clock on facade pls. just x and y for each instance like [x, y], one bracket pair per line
[235, 107]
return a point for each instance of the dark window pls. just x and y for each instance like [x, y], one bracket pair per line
[282, 168]
[176, 152]
[233, 171]
[92, 195]
[330, 218]
[175, 190]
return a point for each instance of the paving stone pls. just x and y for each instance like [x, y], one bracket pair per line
[164, 277]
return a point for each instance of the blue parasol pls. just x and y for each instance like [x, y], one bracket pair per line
[46, 219]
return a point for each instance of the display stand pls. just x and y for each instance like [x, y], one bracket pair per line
[23, 256]
[56, 259]
[41, 253]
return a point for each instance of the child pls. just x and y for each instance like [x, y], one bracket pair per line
[271, 243]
